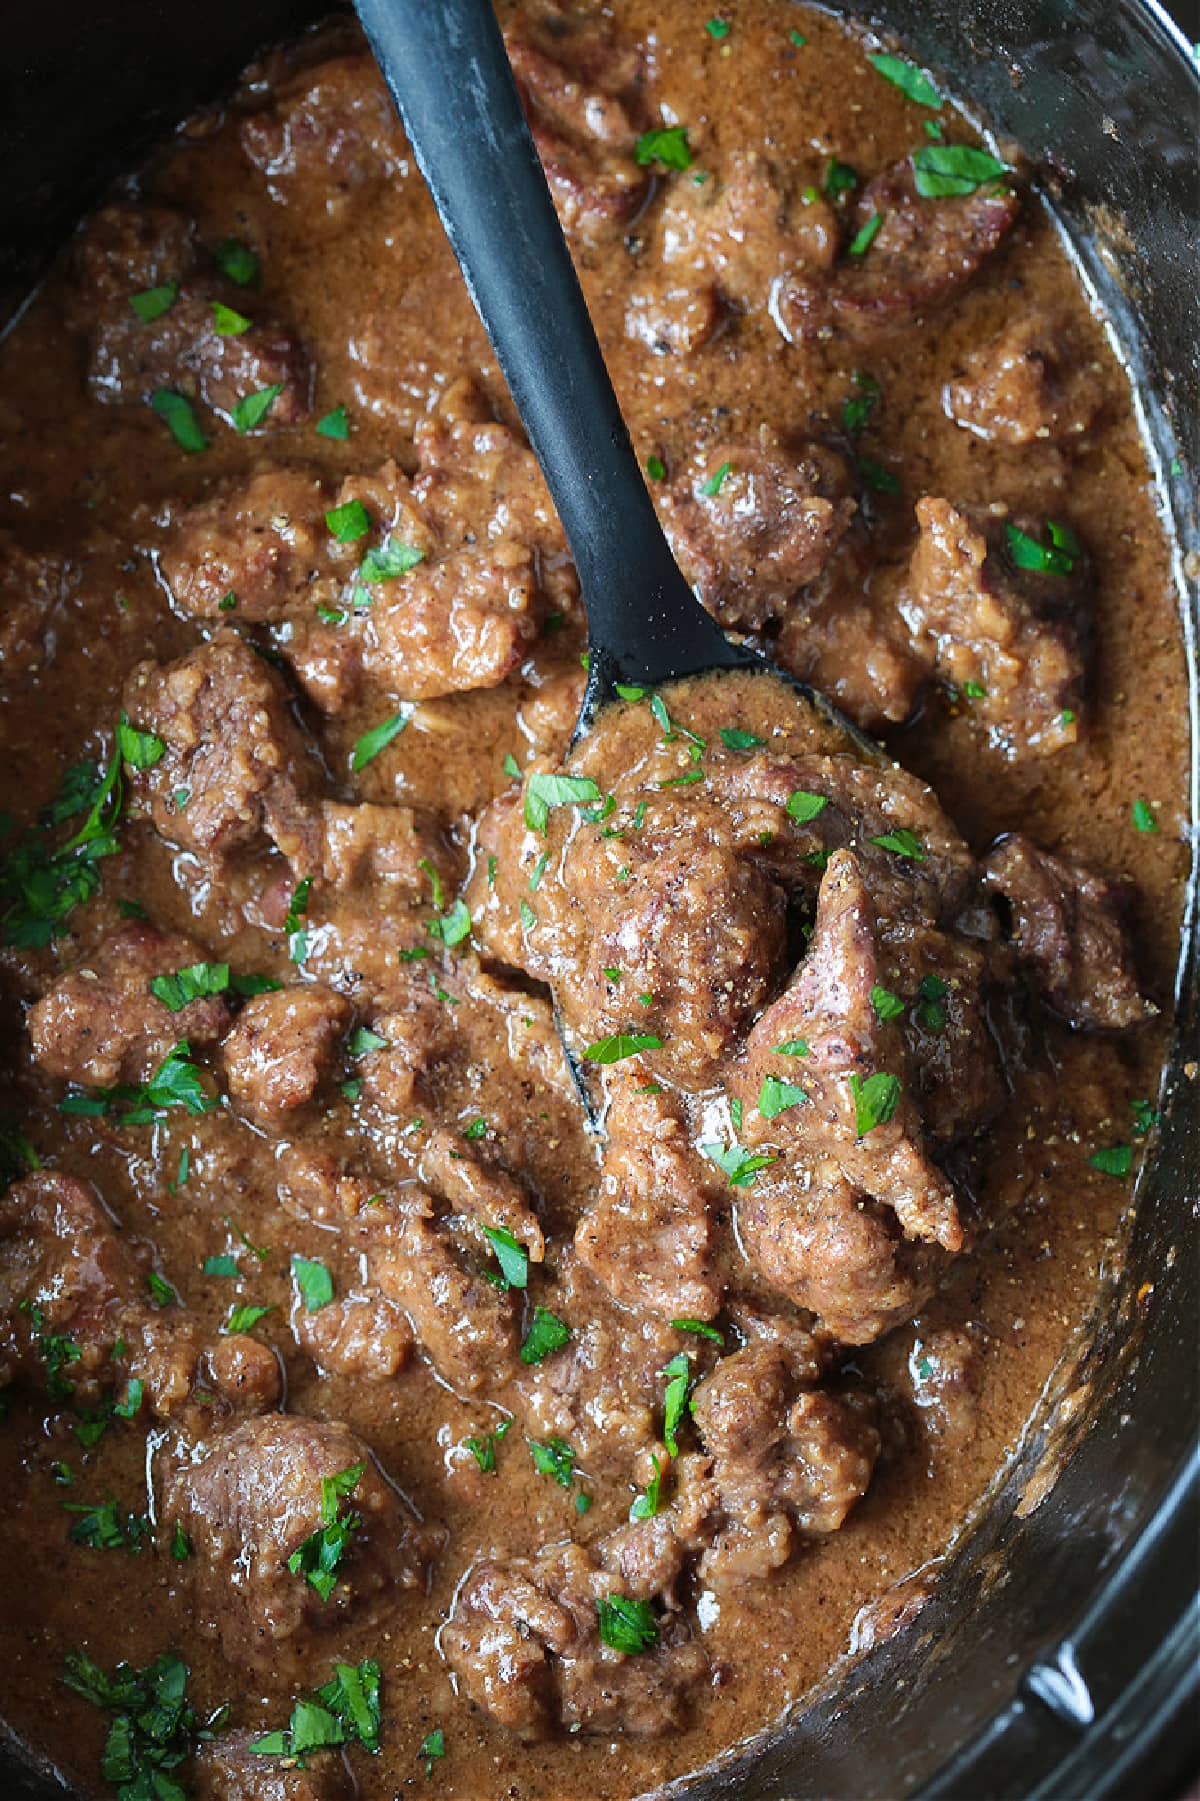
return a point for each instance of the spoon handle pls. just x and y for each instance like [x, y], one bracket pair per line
[446, 66]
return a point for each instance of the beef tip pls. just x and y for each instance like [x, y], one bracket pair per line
[944, 1369]
[650, 1234]
[921, 255]
[548, 716]
[1029, 384]
[650, 1555]
[1015, 641]
[328, 136]
[524, 1642]
[417, 1036]
[786, 1460]
[749, 538]
[282, 1050]
[827, 1247]
[228, 1768]
[263, 544]
[251, 1501]
[1068, 926]
[478, 482]
[381, 850]
[364, 1335]
[579, 89]
[466, 1327]
[484, 1193]
[102, 1024]
[847, 637]
[246, 1372]
[127, 249]
[725, 246]
[65, 1275]
[32, 588]
[454, 626]
[830, 1009]
[234, 769]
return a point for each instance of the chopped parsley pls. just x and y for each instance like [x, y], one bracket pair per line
[776, 1096]
[620, 1045]
[886, 1004]
[803, 806]
[153, 1727]
[679, 1375]
[181, 1545]
[362, 1041]
[293, 925]
[908, 78]
[1113, 1160]
[244, 1319]
[348, 522]
[177, 413]
[388, 561]
[735, 739]
[944, 170]
[17, 1155]
[555, 1459]
[545, 791]
[716, 481]
[700, 1329]
[865, 236]
[432, 1746]
[838, 178]
[667, 144]
[511, 1255]
[1145, 1118]
[345, 1710]
[152, 303]
[476, 1130]
[483, 1450]
[877, 476]
[858, 407]
[378, 738]
[160, 1291]
[41, 884]
[792, 1047]
[797, 38]
[141, 750]
[647, 1506]
[334, 424]
[252, 409]
[717, 29]
[1056, 558]
[656, 469]
[875, 1100]
[902, 843]
[237, 261]
[930, 1011]
[314, 1283]
[319, 1557]
[224, 1265]
[175, 1083]
[626, 1626]
[228, 322]
[1143, 818]
[453, 926]
[106, 1526]
[195, 983]
[546, 1333]
[740, 1166]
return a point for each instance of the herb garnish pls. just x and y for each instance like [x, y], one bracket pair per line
[545, 791]
[432, 1746]
[228, 322]
[858, 407]
[626, 1626]
[620, 1045]
[378, 738]
[865, 236]
[942, 170]
[237, 261]
[244, 1319]
[388, 561]
[902, 843]
[334, 424]
[152, 303]
[735, 739]
[1056, 558]
[483, 1450]
[348, 522]
[679, 1375]
[1143, 818]
[792, 1047]
[293, 925]
[803, 806]
[668, 145]
[886, 1004]
[1113, 1160]
[314, 1283]
[908, 78]
[700, 1329]
[716, 481]
[511, 1255]
[177, 413]
[175, 1083]
[656, 469]
[106, 1526]
[252, 409]
[739, 1165]
[875, 1100]
[346, 1710]
[647, 1506]
[931, 993]
[195, 983]
[320, 1556]
[839, 178]
[40, 885]
[453, 926]
[877, 477]
[546, 1333]
[555, 1459]
[153, 1729]
[776, 1096]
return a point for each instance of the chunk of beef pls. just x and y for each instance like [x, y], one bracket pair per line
[282, 1050]
[479, 483]
[831, 1009]
[362, 1334]
[651, 1555]
[944, 1368]
[1029, 384]
[524, 1642]
[234, 769]
[579, 88]
[327, 137]
[102, 1024]
[548, 715]
[1068, 926]
[922, 254]
[466, 1326]
[755, 522]
[417, 1036]
[228, 1768]
[847, 637]
[725, 245]
[32, 587]
[786, 1459]
[383, 852]
[650, 1236]
[246, 1372]
[454, 626]
[1014, 640]
[262, 544]
[481, 1192]
[65, 1275]
[251, 1501]
[129, 248]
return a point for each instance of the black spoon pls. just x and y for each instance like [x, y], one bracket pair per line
[446, 66]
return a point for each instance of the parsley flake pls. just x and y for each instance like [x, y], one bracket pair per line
[619, 1045]
[626, 1626]
[945, 170]
[378, 738]
[668, 145]
[177, 413]
[314, 1282]
[908, 78]
[875, 1100]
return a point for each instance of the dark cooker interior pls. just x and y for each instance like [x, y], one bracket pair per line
[1057, 1656]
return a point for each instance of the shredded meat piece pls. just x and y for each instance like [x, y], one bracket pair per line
[1068, 926]
[252, 1500]
[1014, 641]
[101, 1023]
[1030, 384]
[282, 1050]
[922, 254]
[753, 521]
[524, 1643]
